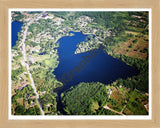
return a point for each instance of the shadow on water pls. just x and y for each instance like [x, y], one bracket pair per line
[59, 100]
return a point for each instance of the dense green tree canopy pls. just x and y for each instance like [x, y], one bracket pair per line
[80, 100]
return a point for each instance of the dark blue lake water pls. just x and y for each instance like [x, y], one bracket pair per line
[16, 27]
[35, 12]
[102, 68]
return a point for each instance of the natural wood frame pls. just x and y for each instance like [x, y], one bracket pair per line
[5, 5]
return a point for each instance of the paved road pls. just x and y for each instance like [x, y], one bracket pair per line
[27, 66]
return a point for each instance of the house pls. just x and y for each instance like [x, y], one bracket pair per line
[110, 92]
[23, 85]
[120, 86]
[44, 15]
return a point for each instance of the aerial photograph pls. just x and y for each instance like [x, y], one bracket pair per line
[79, 63]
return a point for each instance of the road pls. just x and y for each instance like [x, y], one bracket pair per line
[123, 108]
[27, 66]
[106, 107]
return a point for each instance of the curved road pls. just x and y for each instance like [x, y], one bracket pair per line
[27, 66]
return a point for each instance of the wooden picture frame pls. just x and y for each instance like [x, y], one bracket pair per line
[4, 63]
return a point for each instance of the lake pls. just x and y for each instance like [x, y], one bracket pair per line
[16, 27]
[34, 12]
[101, 68]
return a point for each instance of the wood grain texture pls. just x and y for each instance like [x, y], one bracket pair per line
[6, 4]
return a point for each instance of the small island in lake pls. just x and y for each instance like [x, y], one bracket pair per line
[80, 63]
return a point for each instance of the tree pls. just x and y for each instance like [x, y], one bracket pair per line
[19, 110]
[80, 99]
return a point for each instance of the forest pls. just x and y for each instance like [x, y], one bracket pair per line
[81, 100]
